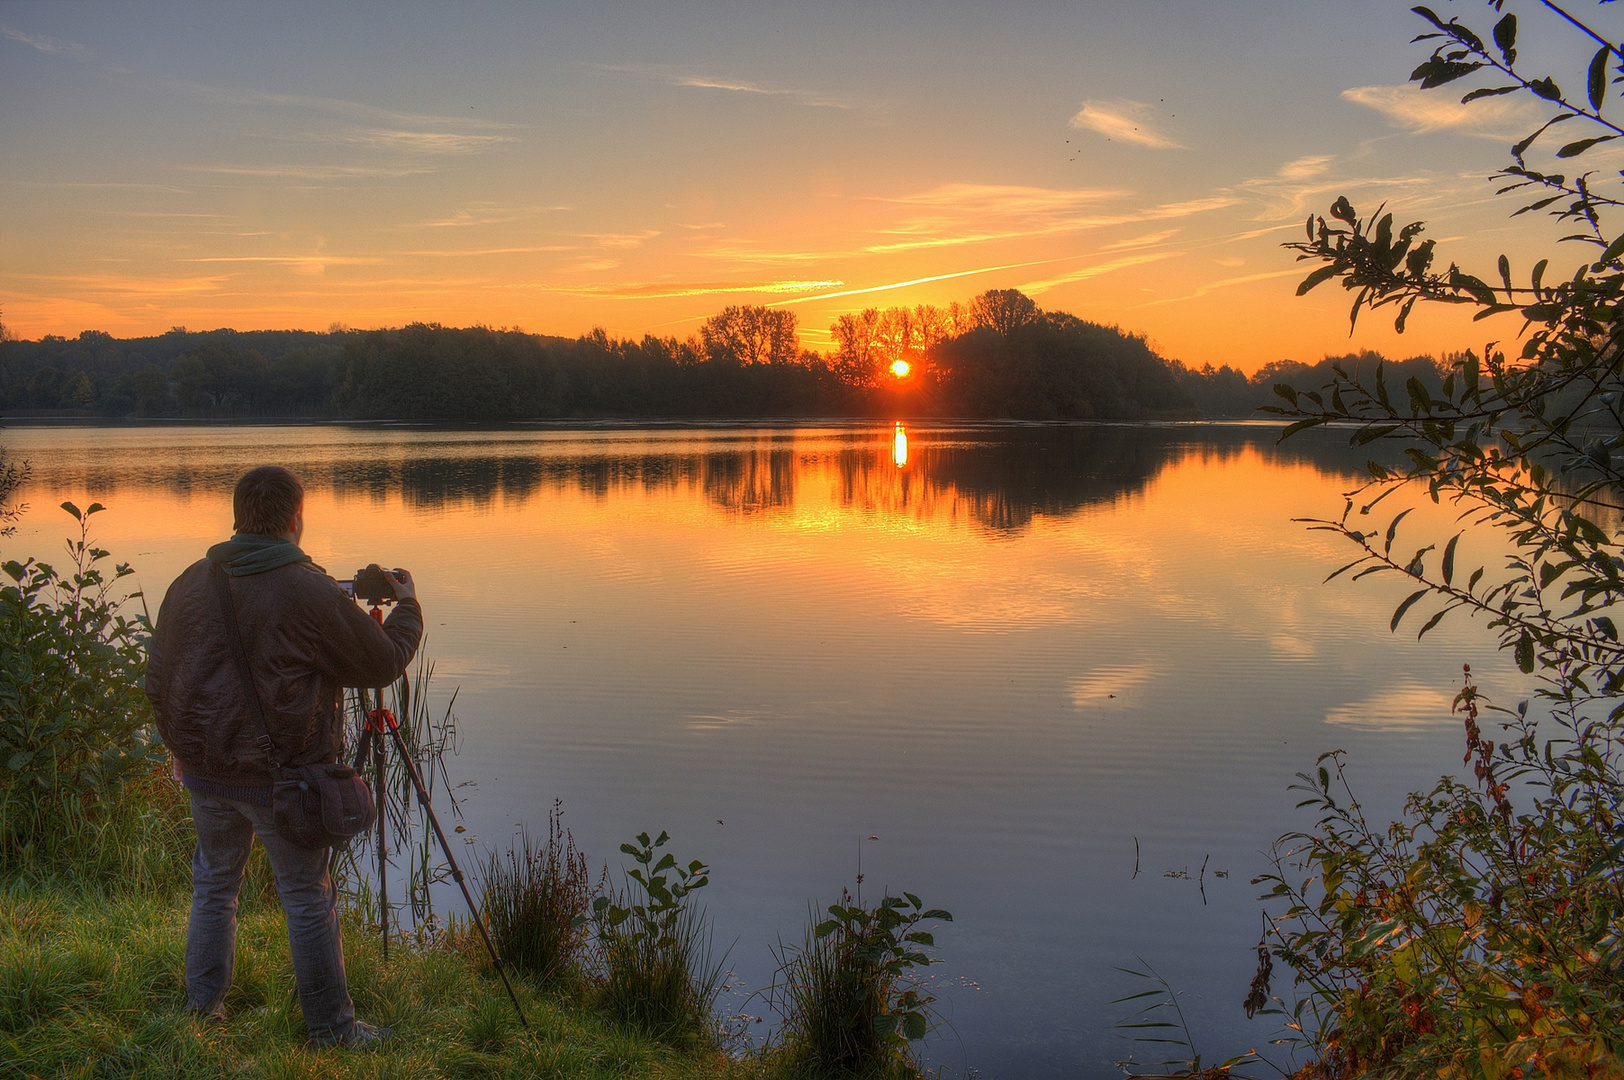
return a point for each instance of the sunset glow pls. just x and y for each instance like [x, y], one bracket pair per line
[176, 164]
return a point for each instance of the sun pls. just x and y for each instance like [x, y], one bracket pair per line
[901, 368]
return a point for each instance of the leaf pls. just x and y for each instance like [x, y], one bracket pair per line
[1437, 71]
[1489, 91]
[1545, 88]
[1505, 38]
[1434, 621]
[1392, 529]
[1449, 559]
[1597, 83]
[1574, 149]
[1614, 250]
[19, 759]
[1316, 278]
[74, 510]
[1524, 653]
[1408, 603]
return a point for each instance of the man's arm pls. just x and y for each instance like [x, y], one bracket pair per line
[356, 651]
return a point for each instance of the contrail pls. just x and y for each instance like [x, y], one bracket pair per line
[919, 281]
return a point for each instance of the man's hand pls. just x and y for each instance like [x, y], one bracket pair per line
[401, 581]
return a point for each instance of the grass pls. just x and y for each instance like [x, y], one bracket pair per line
[828, 1003]
[536, 902]
[90, 986]
[92, 953]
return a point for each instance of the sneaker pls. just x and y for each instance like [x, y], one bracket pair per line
[363, 1036]
[366, 1035]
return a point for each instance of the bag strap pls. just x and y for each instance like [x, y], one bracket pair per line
[228, 608]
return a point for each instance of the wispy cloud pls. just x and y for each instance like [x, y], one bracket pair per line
[1141, 241]
[667, 290]
[811, 98]
[41, 43]
[1038, 288]
[911, 281]
[723, 84]
[143, 285]
[425, 142]
[1423, 111]
[1187, 207]
[1224, 284]
[1285, 195]
[1305, 168]
[358, 109]
[1007, 200]
[977, 213]
[315, 172]
[299, 264]
[464, 253]
[1128, 121]
[484, 213]
[746, 252]
[622, 241]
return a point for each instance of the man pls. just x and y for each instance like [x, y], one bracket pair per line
[305, 640]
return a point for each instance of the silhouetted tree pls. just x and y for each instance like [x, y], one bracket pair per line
[1003, 310]
[751, 335]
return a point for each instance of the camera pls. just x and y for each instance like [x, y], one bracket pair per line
[372, 585]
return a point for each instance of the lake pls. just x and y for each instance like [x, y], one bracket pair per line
[996, 663]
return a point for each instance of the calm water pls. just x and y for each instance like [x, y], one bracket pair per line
[1005, 652]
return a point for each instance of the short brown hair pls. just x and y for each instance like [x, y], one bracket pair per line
[266, 500]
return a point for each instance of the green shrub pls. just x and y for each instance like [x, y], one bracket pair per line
[1472, 937]
[848, 1004]
[536, 903]
[75, 726]
[654, 945]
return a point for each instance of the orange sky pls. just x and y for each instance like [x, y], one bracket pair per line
[562, 168]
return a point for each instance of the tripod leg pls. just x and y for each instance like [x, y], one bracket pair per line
[380, 793]
[456, 872]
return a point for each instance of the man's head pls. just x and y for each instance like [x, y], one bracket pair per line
[269, 501]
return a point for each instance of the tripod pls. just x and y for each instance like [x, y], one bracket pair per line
[380, 728]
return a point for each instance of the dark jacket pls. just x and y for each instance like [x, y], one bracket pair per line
[305, 640]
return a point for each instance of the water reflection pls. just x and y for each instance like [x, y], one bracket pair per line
[997, 478]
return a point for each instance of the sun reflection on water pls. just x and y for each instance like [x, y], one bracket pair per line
[899, 445]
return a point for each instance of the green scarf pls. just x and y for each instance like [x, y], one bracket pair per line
[250, 553]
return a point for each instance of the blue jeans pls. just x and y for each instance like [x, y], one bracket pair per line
[225, 832]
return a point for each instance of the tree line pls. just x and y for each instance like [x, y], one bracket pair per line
[996, 356]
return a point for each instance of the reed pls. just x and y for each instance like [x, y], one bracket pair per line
[848, 1001]
[537, 901]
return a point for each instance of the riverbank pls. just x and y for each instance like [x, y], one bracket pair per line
[90, 985]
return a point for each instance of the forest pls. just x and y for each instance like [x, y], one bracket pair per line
[998, 356]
